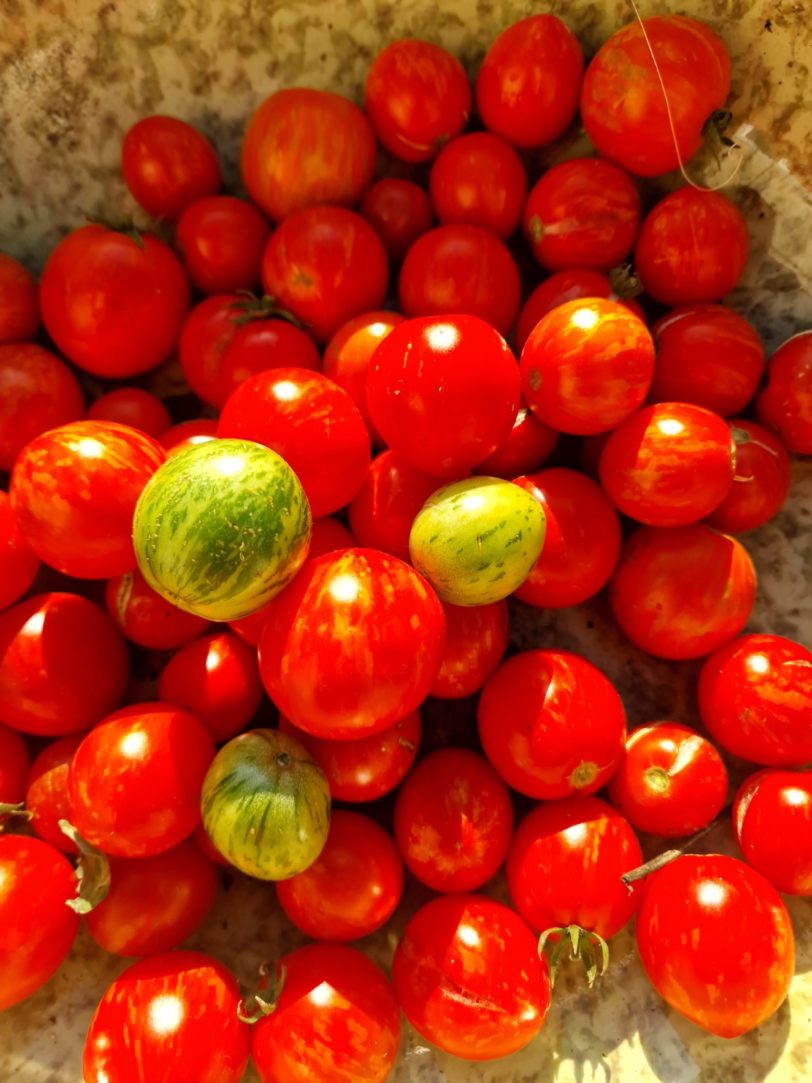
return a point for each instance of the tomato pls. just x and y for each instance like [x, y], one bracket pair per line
[46, 795]
[134, 407]
[475, 641]
[417, 97]
[551, 724]
[19, 564]
[755, 696]
[772, 815]
[479, 179]
[179, 1011]
[761, 483]
[460, 269]
[14, 762]
[37, 929]
[207, 847]
[352, 645]
[681, 592]
[336, 1018]
[623, 107]
[671, 782]
[384, 508]
[429, 371]
[206, 334]
[221, 240]
[692, 248]
[785, 404]
[135, 780]
[113, 304]
[587, 366]
[187, 434]
[63, 665]
[399, 211]
[582, 542]
[305, 146]
[353, 886]
[168, 164]
[469, 977]
[529, 444]
[285, 409]
[145, 617]
[707, 355]
[37, 392]
[262, 344]
[716, 942]
[529, 81]
[19, 304]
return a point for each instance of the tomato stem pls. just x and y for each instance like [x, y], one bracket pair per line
[250, 307]
[256, 1006]
[588, 946]
[92, 872]
[625, 282]
[667, 856]
[13, 812]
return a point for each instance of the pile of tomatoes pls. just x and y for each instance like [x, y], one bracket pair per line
[402, 304]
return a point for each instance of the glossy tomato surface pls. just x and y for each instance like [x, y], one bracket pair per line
[46, 795]
[772, 818]
[399, 211]
[14, 763]
[205, 336]
[19, 304]
[134, 407]
[479, 179]
[221, 240]
[168, 164]
[529, 443]
[147, 618]
[384, 508]
[261, 344]
[761, 483]
[785, 404]
[476, 639]
[37, 392]
[18, 562]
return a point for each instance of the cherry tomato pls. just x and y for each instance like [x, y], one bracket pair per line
[460, 269]
[479, 179]
[19, 304]
[671, 781]
[262, 344]
[179, 1011]
[134, 407]
[221, 240]
[716, 942]
[168, 164]
[63, 665]
[581, 543]
[135, 780]
[384, 508]
[147, 618]
[353, 886]
[761, 483]
[187, 434]
[529, 444]
[470, 979]
[399, 211]
[755, 697]
[587, 366]
[206, 334]
[529, 81]
[14, 762]
[37, 392]
[19, 564]
[681, 592]
[46, 796]
[772, 816]
[785, 404]
[475, 641]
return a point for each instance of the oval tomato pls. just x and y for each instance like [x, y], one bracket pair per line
[761, 483]
[529, 444]
[168, 164]
[384, 508]
[19, 564]
[145, 617]
[14, 762]
[134, 407]
[399, 211]
[221, 240]
[475, 641]
[19, 303]
[479, 179]
[785, 404]
[46, 795]
[772, 817]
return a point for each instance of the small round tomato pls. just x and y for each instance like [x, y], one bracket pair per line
[19, 304]
[528, 446]
[14, 763]
[551, 724]
[135, 780]
[399, 211]
[785, 404]
[469, 977]
[582, 542]
[761, 483]
[46, 795]
[353, 886]
[168, 164]
[63, 665]
[692, 247]
[221, 240]
[19, 563]
[755, 698]
[681, 592]
[37, 392]
[206, 334]
[146, 617]
[772, 818]
[529, 81]
[262, 344]
[187, 434]
[335, 1018]
[384, 508]
[134, 407]
[671, 781]
[461, 269]
[475, 641]
[587, 366]
[716, 942]
[479, 179]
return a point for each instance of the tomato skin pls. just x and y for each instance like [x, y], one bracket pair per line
[14, 763]
[221, 240]
[260, 345]
[168, 164]
[681, 592]
[37, 929]
[180, 1011]
[46, 795]
[475, 641]
[772, 814]
[582, 542]
[399, 211]
[551, 724]
[479, 179]
[19, 302]
[134, 407]
[469, 977]
[785, 404]
[716, 942]
[145, 617]
[529, 81]
[671, 781]
[529, 444]
[206, 334]
[19, 564]
[384, 508]
[187, 434]
[755, 697]
[762, 481]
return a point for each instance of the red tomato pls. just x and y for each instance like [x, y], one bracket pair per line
[479, 179]
[147, 618]
[761, 483]
[461, 269]
[168, 164]
[443, 392]
[134, 407]
[681, 592]
[221, 240]
[187, 434]
[285, 409]
[399, 211]
[475, 641]
[785, 404]
[581, 542]
[353, 886]
[470, 979]
[622, 103]
[417, 97]
[259, 345]
[352, 645]
[587, 366]
[19, 304]
[591, 448]
[336, 1019]
[179, 1011]
[305, 146]
[755, 697]
[113, 304]
[671, 781]
[154, 903]
[63, 665]
[716, 942]
[19, 564]
[384, 508]
[46, 796]
[551, 724]
[772, 817]
[37, 929]
[206, 334]
[14, 763]
[37, 392]
[708, 355]
[135, 780]
[692, 248]
[529, 444]
[528, 84]
[565, 865]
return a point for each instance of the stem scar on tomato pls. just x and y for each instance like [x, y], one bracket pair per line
[92, 872]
